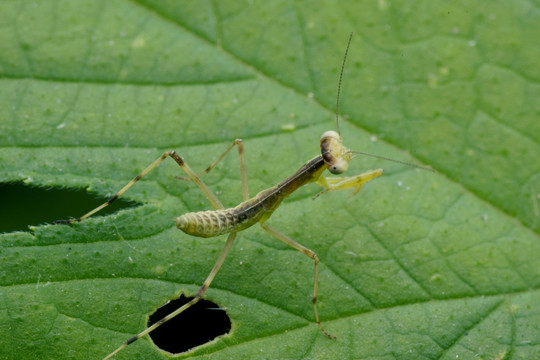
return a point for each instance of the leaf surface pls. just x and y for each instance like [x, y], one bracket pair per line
[416, 266]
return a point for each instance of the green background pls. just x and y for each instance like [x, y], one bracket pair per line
[416, 266]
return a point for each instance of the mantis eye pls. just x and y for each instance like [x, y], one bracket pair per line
[339, 167]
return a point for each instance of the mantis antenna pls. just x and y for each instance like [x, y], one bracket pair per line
[337, 118]
[339, 83]
[427, 168]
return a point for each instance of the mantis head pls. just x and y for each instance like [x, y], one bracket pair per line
[335, 155]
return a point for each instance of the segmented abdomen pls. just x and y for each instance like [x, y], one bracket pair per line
[218, 222]
[214, 222]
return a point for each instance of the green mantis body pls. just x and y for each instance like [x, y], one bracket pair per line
[334, 157]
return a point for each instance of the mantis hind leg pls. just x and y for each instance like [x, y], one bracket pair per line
[215, 202]
[192, 175]
[198, 296]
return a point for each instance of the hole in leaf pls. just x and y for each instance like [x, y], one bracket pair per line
[24, 205]
[197, 325]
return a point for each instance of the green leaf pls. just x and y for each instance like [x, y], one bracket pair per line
[416, 266]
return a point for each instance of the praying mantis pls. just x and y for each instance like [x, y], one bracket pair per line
[334, 157]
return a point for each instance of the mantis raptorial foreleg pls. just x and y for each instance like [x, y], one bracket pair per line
[347, 182]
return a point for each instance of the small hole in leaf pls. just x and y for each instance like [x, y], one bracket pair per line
[24, 205]
[197, 325]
